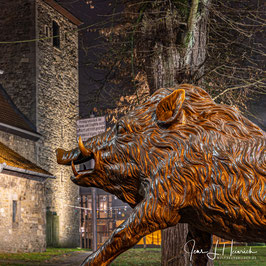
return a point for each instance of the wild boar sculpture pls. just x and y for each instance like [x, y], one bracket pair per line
[178, 158]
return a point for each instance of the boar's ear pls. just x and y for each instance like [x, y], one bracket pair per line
[169, 107]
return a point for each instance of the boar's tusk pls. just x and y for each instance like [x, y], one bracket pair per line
[84, 151]
[74, 169]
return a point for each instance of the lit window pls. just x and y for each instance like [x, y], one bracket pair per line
[103, 206]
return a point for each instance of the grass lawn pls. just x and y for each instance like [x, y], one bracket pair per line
[258, 256]
[37, 256]
[139, 256]
[153, 257]
[149, 256]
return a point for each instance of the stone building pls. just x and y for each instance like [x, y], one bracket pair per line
[39, 61]
[22, 201]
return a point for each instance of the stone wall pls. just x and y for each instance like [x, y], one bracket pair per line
[24, 147]
[25, 233]
[17, 60]
[57, 111]
[42, 80]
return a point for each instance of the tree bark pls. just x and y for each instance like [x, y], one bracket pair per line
[174, 49]
[173, 241]
[175, 52]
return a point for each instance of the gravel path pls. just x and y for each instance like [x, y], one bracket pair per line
[74, 259]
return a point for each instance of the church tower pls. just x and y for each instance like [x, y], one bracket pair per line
[39, 61]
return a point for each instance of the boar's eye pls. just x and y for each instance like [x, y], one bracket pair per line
[120, 129]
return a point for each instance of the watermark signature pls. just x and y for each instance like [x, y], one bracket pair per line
[212, 255]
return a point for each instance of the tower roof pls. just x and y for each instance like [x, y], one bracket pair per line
[12, 120]
[63, 12]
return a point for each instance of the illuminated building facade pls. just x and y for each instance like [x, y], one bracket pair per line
[39, 64]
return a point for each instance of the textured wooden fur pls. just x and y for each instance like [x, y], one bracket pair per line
[179, 157]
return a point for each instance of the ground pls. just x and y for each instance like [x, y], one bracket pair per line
[133, 257]
[53, 257]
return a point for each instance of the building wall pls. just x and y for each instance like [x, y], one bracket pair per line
[27, 232]
[57, 111]
[43, 82]
[17, 60]
[24, 147]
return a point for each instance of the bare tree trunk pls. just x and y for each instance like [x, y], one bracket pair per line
[174, 53]
[174, 50]
[173, 241]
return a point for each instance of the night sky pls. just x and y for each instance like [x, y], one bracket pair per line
[93, 16]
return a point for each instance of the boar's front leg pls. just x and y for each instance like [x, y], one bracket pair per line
[146, 218]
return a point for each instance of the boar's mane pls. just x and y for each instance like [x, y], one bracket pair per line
[213, 157]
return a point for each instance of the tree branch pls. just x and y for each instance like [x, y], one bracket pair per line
[235, 88]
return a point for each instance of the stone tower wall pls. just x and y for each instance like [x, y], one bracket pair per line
[17, 60]
[57, 111]
[42, 80]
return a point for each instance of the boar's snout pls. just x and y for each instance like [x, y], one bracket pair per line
[77, 156]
